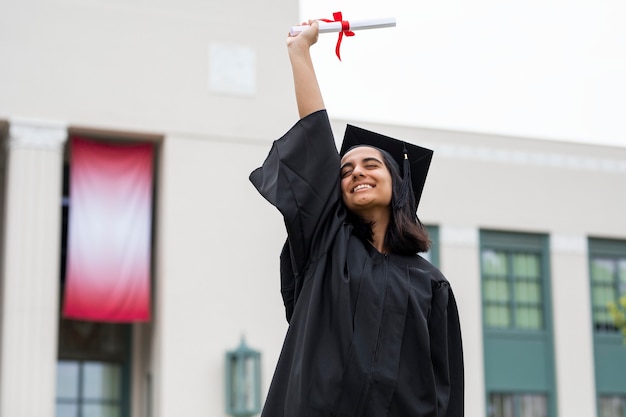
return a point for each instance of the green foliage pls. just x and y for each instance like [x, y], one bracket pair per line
[618, 312]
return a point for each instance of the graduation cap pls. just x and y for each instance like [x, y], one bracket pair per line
[411, 159]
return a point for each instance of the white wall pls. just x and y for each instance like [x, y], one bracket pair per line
[143, 66]
[573, 329]
[217, 276]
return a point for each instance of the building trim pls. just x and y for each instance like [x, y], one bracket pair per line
[529, 158]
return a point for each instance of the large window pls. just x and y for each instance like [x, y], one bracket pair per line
[513, 297]
[608, 280]
[517, 405]
[518, 340]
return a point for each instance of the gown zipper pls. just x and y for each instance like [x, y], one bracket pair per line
[380, 316]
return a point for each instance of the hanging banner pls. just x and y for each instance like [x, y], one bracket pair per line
[109, 236]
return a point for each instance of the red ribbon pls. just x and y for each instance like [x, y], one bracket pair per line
[345, 29]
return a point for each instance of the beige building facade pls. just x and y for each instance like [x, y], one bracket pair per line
[212, 97]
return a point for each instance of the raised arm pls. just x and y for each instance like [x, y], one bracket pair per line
[308, 93]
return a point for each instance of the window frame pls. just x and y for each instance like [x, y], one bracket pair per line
[526, 354]
[121, 403]
[609, 351]
[524, 243]
[615, 250]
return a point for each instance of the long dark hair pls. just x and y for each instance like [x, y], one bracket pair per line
[405, 234]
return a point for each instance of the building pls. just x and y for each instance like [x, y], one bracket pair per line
[531, 233]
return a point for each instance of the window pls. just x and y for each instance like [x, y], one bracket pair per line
[512, 288]
[93, 369]
[607, 278]
[517, 405]
[432, 255]
[607, 266]
[518, 340]
[612, 406]
[87, 388]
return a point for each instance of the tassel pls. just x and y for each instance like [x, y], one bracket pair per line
[407, 196]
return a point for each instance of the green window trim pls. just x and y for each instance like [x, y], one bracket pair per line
[607, 275]
[518, 340]
[514, 285]
[605, 283]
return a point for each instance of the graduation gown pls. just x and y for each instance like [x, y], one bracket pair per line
[370, 334]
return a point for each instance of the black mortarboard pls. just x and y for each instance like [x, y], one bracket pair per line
[417, 160]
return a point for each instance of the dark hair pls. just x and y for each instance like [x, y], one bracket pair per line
[405, 234]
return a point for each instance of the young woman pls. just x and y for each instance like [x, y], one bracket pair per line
[373, 327]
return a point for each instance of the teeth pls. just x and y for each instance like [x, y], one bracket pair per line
[361, 186]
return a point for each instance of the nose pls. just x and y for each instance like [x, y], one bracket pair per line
[357, 172]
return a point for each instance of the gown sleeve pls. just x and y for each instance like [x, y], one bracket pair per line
[447, 352]
[300, 177]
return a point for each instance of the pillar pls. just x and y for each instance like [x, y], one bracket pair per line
[30, 269]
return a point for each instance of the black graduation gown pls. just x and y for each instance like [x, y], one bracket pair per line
[370, 334]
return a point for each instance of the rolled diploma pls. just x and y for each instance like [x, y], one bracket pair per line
[334, 27]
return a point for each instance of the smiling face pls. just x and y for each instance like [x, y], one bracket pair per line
[366, 183]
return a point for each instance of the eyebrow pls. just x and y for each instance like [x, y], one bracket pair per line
[368, 159]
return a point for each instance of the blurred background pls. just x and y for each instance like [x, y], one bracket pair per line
[525, 200]
[551, 70]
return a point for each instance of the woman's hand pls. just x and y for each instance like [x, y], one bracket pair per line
[305, 39]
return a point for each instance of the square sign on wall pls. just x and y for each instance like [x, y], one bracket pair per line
[232, 70]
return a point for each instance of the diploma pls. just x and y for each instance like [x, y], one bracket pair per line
[334, 27]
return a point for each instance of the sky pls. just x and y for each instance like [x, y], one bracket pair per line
[546, 69]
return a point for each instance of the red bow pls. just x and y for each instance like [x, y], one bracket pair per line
[345, 28]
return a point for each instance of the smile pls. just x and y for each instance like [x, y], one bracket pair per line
[361, 187]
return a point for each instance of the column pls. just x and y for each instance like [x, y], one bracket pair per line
[573, 328]
[460, 263]
[30, 269]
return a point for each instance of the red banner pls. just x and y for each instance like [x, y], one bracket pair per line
[109, 236]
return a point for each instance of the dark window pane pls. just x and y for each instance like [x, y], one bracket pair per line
[66, 410]
[496, 290]
[602, 295]
[67, 380]
[612, 406]
[497, 316]
[528, 317]
[526, 265]
[101, 381]
[501, 405]
[602, 270]
[533, 405]
[518, 405]
[494, 263]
